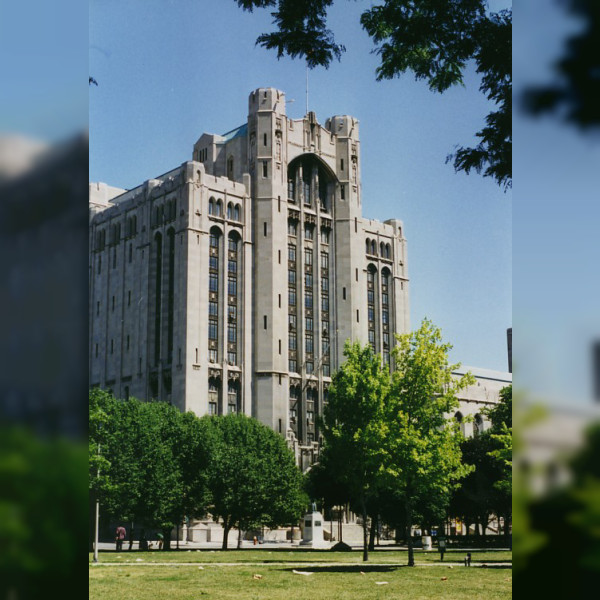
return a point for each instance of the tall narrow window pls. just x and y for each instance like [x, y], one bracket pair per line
[308, 256]
[385, 313]
[371, 306]
[214, 297]
[306, 189]
[170, 293]
[213, 396]
[232, 298]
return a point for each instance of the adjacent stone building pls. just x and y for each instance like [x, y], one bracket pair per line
[232, 282]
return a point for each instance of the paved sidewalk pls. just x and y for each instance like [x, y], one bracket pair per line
[248, 545]
[306, 564]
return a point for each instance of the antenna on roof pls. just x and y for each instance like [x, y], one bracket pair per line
[306, 87]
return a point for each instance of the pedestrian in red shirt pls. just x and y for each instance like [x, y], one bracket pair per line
[119, 537]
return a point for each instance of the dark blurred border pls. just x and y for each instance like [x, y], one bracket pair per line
[43, 300]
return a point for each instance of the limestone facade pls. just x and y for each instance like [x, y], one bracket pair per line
[232, 282]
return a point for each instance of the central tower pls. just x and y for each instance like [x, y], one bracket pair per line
[267, 143]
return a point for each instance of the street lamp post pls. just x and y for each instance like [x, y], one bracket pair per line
[97, 518]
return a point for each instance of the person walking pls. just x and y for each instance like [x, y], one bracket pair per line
[120, 534]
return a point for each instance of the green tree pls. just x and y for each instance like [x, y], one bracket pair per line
[476, 497]
[501, 451]
[43, 510]
[354, 427]
[194, 451]
[423, 446]
[152, 459]
[575, 92]
[435, 39]
[146, 483]
[102, 408]
[253, 478]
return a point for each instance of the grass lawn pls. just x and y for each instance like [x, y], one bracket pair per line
[278, 582]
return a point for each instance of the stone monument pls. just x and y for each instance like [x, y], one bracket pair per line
[312, 532]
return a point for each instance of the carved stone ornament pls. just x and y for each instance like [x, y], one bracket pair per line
[216, 373]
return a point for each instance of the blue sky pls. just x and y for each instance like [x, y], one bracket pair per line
[557, 183]
[169, 70]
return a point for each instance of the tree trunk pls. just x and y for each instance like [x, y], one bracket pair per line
[226, 528]
[166, 539]
[372, 534]
[365, 532]
[239, 543]
[409, 541]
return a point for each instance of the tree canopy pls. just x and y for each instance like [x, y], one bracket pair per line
[575, 92]
[144, 453]
[354, 428]
[253, 478]
[154, 465]
[435, 39]
[43, 510]
[424, 448]
[388, 438]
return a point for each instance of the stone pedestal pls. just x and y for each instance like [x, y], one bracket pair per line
[312, 531]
